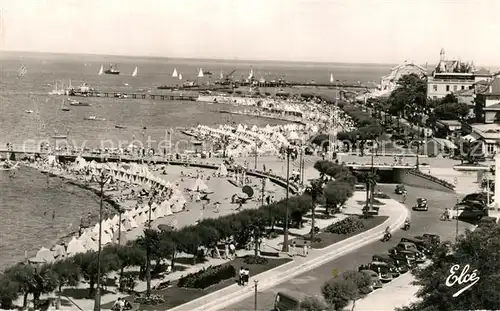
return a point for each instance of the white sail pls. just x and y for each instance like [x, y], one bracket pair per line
[221, 75]
[180, 76]
[250, 76]
[134, 74]
[101, 71]
[200, 73]
[331, 78]
[174, 74]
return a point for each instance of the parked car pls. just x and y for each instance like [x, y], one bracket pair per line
[432, 238]
[421, 205]
[408, 246]
[471, 210]
[423, 245]
[381, 268]
[401, 266]
[406, 256]
[376, 283]
[400, 189]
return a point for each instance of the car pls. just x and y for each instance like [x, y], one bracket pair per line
[433, 239]
[379, 267]
[423, 245]
[421, 205]
[393, 268]
[400, 189]
[472, 210]
[407, 257]
[375, 282]
[408, 246]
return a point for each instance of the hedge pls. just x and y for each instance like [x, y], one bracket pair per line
[348, 225]
[207, 277]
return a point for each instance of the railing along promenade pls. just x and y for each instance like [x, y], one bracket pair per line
[164, 159]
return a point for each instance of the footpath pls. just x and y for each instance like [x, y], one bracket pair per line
[230, 295]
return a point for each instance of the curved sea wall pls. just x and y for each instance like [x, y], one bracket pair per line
[418, 179]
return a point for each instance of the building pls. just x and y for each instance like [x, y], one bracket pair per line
[389, 82]
[452, 76]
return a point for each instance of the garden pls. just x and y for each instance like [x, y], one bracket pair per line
[123, 266]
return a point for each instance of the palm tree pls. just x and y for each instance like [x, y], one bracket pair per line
[148, 242]
[314, 190]
[369, 179]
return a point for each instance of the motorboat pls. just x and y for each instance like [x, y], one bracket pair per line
[94, 118]
[78, 103]
[59, 137]
[28, 111]
[119, 126]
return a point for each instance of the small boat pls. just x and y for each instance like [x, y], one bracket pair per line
[94, 118]
[112, 70]
[331, 78]
[28, 111]
[200, 73]
[59, 137]
[119, 126]
[101, 71]
[134, 74]
[180, 76]
[77, 103]
[64, 108]
[174, 74]
[208, 73]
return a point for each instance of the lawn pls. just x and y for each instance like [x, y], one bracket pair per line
[175, 296]
[324, 239]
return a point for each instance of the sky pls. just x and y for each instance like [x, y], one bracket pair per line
[366, 31]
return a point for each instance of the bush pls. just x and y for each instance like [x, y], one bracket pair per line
[255, 260]
[206, 277]
[349, 225]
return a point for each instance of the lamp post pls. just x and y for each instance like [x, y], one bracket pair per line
[103, 179]
[372, 185]
[263, 191]
[256, 282]
[285, 236]
[148, 250]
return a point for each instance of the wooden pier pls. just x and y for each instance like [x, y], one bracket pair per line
[108, 94]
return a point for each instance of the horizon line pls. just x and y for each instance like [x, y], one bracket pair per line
[206, 58]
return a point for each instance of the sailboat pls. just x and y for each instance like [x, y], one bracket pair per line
[331, 78]
[250, 76]
[101, 71]
[221, 75]
[64, 108]
[180, 76]
[174, 74]
[134, 74]
[200, 73]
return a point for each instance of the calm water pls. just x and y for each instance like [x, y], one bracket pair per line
[27, 200]
[27, 203]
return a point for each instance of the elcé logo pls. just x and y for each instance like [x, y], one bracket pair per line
[464, 278]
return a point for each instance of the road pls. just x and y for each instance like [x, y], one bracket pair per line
[422, 222]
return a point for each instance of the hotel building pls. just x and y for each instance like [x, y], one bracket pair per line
[452, 76]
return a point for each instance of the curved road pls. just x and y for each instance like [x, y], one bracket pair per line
[421, 222]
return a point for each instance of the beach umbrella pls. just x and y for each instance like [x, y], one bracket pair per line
[248, 191]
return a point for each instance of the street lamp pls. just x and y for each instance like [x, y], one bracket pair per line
[256, 282]
[289, 150]
[104, 177]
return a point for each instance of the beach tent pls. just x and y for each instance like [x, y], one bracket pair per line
[123, 238]
[44, 255]
[198, 185]
[59, 252]
[75, 246]
[222, 170]
[165, 208]
[88, 243]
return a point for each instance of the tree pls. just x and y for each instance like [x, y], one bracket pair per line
[338, 292]
[479, 250]
[149, 242]
[190, 242]
[9, 290]
[313, 303]
[67, 274]
[128, 255]
[370, 181]
[314, 191]
[88, 265]
[336, 193]
[361, 281]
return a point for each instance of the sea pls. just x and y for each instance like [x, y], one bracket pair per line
[28, 199]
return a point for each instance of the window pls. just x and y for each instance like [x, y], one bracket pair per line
[455, 87]
[490, 149]
[435, 87]
[463, 87]
[447, 88]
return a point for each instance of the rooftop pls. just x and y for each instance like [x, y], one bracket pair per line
[487, 131]
[451, 122]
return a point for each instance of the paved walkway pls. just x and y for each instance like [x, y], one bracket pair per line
[230, 297]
